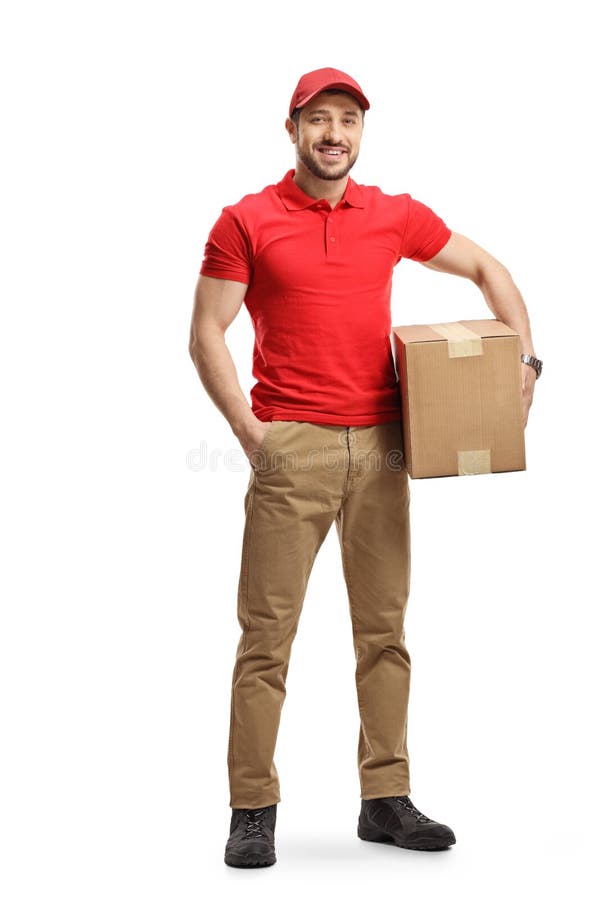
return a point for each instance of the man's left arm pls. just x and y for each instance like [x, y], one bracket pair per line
[461, 256]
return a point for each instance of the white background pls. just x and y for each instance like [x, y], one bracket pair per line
[127, 127]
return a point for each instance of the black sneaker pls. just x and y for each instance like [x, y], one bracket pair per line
[395, 820]
[252, 837]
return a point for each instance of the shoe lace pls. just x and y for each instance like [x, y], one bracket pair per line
[407, 804]
[253, 825]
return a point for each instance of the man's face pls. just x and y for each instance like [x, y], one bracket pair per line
[328, 136]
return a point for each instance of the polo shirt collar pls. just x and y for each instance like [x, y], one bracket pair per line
[294, 197]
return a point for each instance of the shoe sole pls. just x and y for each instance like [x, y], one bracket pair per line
[382, 837]
[250, 862]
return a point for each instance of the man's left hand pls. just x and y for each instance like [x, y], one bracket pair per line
[528, 379]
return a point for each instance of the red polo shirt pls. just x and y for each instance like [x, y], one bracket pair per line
[319, 285]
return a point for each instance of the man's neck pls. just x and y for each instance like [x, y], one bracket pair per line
[320, 188]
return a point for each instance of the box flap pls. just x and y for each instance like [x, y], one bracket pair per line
[484, 328]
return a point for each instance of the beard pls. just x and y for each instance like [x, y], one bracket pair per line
[323, 171]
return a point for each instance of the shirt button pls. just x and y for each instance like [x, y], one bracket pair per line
[332, 238]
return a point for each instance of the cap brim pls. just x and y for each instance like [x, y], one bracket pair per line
[362, 100]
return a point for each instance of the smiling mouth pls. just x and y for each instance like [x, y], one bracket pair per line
[331, 152]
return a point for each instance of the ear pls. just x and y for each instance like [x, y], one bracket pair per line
[290, 127]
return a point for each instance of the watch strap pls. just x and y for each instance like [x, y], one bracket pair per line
[534, 362]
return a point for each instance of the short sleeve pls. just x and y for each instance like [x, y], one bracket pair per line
[227, 253]
[425, 232]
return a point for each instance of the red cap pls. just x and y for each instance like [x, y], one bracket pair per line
[319, 80]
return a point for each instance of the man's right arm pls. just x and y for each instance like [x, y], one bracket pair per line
[217, 302]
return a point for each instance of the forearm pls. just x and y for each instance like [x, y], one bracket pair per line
[505, 301]
[218, 375]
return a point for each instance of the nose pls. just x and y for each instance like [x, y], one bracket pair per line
[332, 133]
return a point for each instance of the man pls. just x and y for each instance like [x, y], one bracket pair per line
[312, 257]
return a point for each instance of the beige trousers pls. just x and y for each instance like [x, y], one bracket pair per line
[304, 477]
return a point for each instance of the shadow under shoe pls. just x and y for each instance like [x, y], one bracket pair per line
[251, 842]
[395, 820]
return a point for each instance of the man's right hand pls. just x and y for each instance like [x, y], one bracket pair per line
[251, 441]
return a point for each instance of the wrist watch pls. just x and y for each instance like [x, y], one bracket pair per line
[532, 361]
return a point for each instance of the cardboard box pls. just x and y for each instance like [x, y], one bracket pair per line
[461, 397]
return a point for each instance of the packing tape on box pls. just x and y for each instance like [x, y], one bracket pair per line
[461, 340]
[474, 462]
